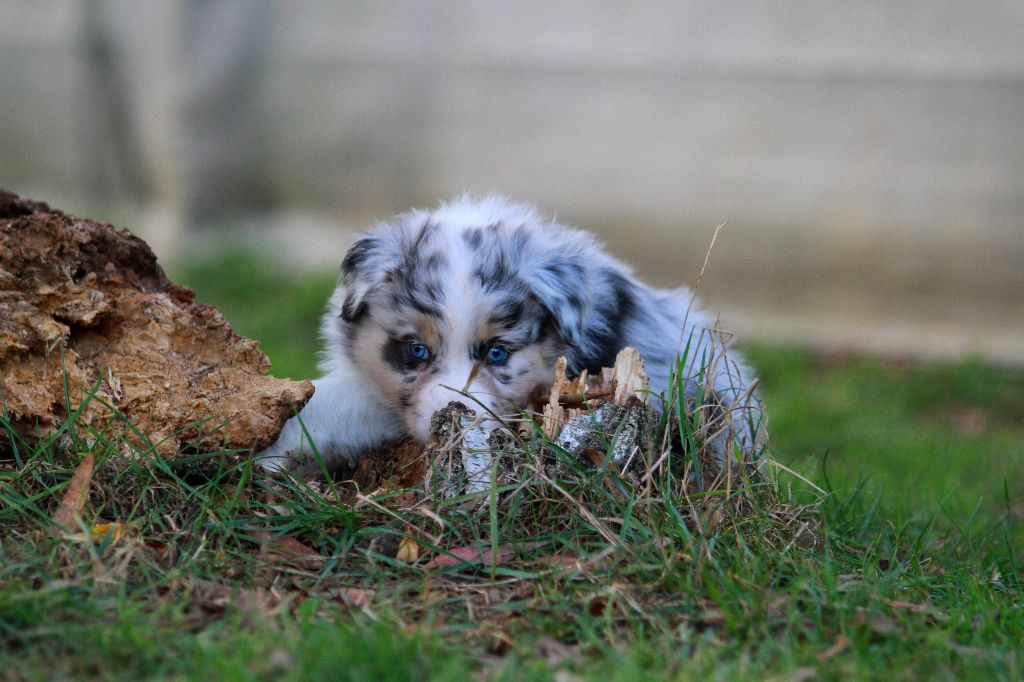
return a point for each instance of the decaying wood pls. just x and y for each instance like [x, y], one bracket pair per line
[396, 464]
[588, 417]
[465, 452]
[593, 416]
[571, 398]
[85, 309]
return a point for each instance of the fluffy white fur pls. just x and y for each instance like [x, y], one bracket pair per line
[474, 275]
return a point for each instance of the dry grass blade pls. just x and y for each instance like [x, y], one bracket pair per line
[841, 644]
[583, 511]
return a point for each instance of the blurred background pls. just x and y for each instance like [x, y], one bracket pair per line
[866, 158]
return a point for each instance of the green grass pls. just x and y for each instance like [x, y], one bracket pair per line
[916, 572]
[263, 302]
[925, 435]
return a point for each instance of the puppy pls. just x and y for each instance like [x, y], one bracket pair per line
[484, 296]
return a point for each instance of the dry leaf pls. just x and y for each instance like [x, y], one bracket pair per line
[354, 596]
[408, 550]
[910, 606]
[554, 651]
[802, 674]
[217, 597]
[470, 555]
[77, 493]
[286, 549]
[560, 561]
[878, 623]
[108, 532]
[281, 659]
[969, 421]
[712, 616]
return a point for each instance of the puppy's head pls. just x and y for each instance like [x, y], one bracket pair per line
[481, 297]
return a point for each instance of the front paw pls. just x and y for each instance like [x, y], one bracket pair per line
[278, 458]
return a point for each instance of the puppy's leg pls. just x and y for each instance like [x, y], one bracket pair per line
[343, 419]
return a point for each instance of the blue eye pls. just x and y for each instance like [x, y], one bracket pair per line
[497, 355]
[418, 351]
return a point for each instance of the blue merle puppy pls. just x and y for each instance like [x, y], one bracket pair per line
[487, 295]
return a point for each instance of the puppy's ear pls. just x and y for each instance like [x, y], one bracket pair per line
[590, 307]
[360, 274]
[559, 283]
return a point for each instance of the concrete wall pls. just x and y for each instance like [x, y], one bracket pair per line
[867, 158]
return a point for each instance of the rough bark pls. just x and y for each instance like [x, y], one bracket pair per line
[90, 322]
